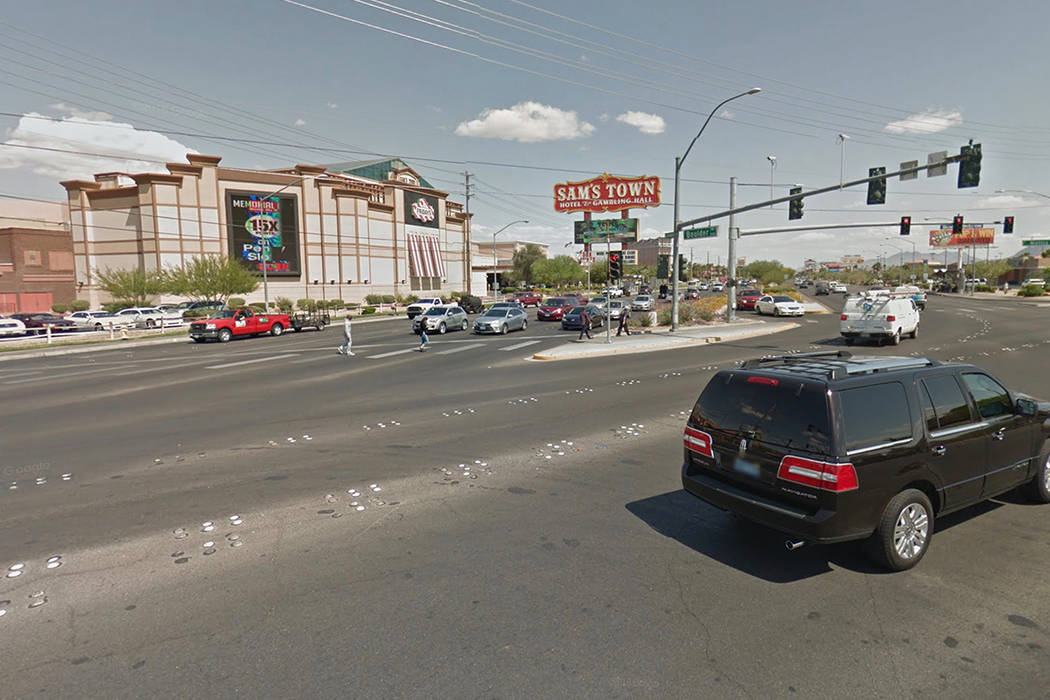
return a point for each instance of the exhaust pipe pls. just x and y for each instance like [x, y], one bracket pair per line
[792, 545]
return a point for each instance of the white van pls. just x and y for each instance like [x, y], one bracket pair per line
[880, 316]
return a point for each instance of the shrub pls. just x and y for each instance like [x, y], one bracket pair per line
[388, 299]
[982, 288]
[306, 304]
[352, 305]
[368, 310]
[60, 308]
[115, 306]
[705, 315]
[374, 299]
[257, 306]
[406, 299]
[336, 304]
[283, 304]
[644, 319]
[195, 313]
[1030, 290]
[235, 302]
[79, 305]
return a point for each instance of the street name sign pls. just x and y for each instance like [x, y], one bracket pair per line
[703, 232]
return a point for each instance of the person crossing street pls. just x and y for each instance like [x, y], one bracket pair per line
[345, 348]
[624, 318]
[585, 324]
[424, 340]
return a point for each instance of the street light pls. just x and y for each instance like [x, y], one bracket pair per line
[518, 221]
[842, 158]
[900, 270]
[1038, 194]
[265, 241]
[772, 164]
[674, 249]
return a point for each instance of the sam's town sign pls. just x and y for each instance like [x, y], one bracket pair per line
[607, 193]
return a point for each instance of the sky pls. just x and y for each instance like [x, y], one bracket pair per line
[526, 94]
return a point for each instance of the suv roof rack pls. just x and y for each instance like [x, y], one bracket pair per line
[838, 364]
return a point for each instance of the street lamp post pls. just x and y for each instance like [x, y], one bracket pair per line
[1037, 194]
[842, 158]
[677, 178]
[494, 285]
[772, 164]
[900, 268]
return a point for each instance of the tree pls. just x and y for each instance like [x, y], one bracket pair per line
[559, 271]
[766, 271]
[135, 287]
[599, 271]
[211, 277]
[523, 260]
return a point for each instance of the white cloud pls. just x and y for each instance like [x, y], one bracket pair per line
[649, 232]
[604, 117]
[1001, 201]
[816, 236]
[126, 148]
[333, 105]
[644, 122]
[928, 122]
[527, 122]
[300, 122]
[435, 109]
[82, 113]
[727, 114]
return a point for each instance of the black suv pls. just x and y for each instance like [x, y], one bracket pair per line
[828, 447]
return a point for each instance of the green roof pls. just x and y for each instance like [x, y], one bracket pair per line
[376, 169]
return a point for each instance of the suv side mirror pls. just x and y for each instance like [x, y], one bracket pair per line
[1026, 407]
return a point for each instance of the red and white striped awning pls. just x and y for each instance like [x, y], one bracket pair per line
[424, 255]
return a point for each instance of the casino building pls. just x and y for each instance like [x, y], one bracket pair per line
[340, 231]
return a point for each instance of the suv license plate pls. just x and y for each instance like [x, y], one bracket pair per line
[746, 468]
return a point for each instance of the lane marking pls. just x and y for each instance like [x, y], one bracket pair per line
[519, 345]
[461, 348]
[60, 376]
[391, 354]
[252, 362]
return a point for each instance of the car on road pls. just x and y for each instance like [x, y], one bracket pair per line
[886, 317]
[746, 298]
[599, 302]
[830, 447]
[38, 323]
[718, 287]
[442, 319]
[822, 288]
[471, 304]
[779, 305]
[421, 306]
[573, 318]
[100, 320]
[554, 308]
[1034, 282]
[11, 327]
[502, 320]
[913, 293]
[838, 288]
[642, 302]
[704, 286]
[527, 298]
[612, 292]
[691, 293]
[225, 324]
[615, 308]
[150, 317]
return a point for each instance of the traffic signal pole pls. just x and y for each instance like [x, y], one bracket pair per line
[608, 284]
[731, 265]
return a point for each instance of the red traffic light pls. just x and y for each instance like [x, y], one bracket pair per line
[957, 224]
[905, 225]
[1008, 224]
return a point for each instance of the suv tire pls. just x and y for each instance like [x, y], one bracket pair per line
[895, 339]
[1038, 489]
[904, 531]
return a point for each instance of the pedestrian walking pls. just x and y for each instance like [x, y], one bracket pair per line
[344, 349]
[624, 318]
[423, 339]
[585, 325]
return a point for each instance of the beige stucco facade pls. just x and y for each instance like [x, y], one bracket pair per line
[352, 233]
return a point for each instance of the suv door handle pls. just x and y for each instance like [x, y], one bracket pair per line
[999, 434]
[939, 450]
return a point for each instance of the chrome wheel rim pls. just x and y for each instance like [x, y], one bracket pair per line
[911, 531]
[1046, 474]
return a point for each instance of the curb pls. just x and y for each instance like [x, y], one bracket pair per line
[707, 340]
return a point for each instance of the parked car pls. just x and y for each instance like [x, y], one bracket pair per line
[828, 447]
[501, 319]
[572, 320]
[150, 317]
[38, 323]
[100, 320]
[423, 305]
[11, 327]
[224, 324]
[442, 319]
[527, 298]
[554, 308]
[746, 298]
[880, 316]
[506, 305]
[779, 305]
[642, 302]
[1034, 282]
[471, 304]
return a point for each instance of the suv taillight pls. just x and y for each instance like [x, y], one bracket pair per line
[891, 318]
[843, 317]
[820, 475]
[698, 441]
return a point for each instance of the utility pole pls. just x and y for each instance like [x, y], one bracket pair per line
[731, 273]
[466, 229]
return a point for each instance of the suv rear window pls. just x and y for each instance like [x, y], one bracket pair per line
[782, 412]
[875, 415]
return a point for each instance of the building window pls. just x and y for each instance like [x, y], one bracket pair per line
[32, 258]
[424, 284]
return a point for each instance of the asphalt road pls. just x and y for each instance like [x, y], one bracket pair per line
[528, 538]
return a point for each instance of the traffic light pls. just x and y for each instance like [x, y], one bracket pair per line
[877, 188]
[1008, 224]
[795, 205]
[905, 225]
[957, 224]
[970, 165]
[615, 266]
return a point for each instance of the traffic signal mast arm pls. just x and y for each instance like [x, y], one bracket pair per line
[822, 190]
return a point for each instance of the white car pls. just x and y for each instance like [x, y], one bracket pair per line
[642, 302]
[99, 320]
[613, 292]
[421, 306]
[837, 287]
[880, 316]
[11, 326]
[150, 317]
[779, 305]
[703, 286]
[600, 302]
[717, 287]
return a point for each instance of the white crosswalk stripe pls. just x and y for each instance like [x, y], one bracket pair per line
[519, 345]
[252, 362]
[461, 348]
[391, 354]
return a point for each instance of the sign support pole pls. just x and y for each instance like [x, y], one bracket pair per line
[608, 310]
[731, 272]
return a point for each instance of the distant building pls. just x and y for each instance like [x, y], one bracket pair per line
[499, 259]
[36, 256]
[649, 249]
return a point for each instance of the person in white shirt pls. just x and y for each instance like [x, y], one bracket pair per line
[344, 349]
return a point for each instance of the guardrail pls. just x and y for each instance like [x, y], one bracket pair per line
[85, 335]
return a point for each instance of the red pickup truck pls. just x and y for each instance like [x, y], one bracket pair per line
[527, 298]
[224, 324]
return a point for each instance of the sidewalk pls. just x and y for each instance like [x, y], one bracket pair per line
[661, 339]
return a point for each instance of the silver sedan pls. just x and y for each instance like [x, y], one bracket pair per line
[442, 319]
[501, 320]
